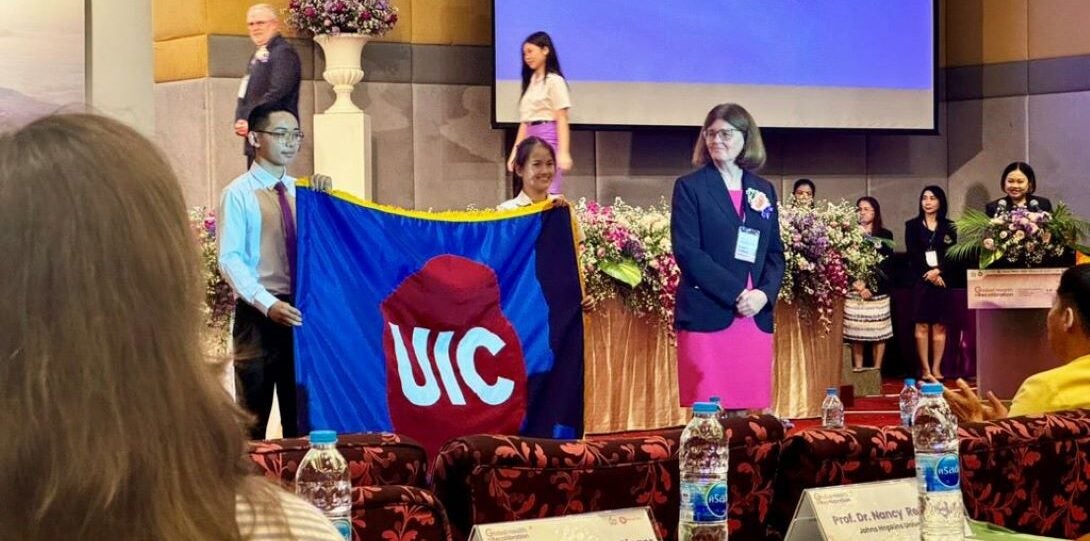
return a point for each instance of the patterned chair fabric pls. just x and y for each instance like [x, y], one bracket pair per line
[821, 457]
[1030, 474]
[482, 479]
[373, 459]
[389, 476]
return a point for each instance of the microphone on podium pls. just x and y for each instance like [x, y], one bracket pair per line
[1034, 205]
[1001, 206]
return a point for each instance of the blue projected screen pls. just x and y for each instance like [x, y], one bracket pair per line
[792, 63]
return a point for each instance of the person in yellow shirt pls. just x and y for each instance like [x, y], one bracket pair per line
[1063, 388]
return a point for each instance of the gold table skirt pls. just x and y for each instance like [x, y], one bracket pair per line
[807, 361]
[629, 372]
[630, 369]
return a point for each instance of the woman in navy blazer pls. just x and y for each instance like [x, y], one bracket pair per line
[726, 239]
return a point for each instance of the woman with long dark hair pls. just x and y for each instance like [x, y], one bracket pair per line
[927, 238]
[544, 105]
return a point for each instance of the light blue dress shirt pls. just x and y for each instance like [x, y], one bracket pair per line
[239, 234]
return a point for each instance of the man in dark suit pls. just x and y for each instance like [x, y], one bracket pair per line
[273, 75]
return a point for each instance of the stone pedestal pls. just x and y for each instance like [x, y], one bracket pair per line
[342, 150]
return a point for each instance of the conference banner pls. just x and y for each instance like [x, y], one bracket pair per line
[437, 325]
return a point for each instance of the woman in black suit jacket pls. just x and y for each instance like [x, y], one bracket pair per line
[1019, 183]
[726, 239]
[927, 238]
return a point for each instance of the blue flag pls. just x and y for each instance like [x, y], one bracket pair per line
[437, 325]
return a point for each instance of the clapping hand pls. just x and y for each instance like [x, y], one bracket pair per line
[969, 408]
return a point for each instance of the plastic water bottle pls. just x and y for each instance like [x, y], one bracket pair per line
[322, 479]
[703, 461]
[910, 396]
[832, 409]
[938, 472]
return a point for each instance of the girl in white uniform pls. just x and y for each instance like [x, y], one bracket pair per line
[543, 108]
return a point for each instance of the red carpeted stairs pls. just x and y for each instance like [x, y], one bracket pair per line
[879, 410]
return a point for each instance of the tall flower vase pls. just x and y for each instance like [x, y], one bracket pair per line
[342, 67]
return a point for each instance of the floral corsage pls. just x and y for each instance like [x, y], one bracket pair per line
[759, 202]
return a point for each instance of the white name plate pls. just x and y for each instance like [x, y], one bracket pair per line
[632, 524]
[886, 510]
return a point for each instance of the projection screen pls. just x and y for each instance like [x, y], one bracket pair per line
[854, 64]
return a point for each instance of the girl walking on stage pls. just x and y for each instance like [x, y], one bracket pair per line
[543, 108]
[726, 238]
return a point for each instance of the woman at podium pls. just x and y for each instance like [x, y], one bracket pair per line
[927, 237]
[1019, 183]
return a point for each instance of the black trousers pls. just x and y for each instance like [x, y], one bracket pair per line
[264, 360]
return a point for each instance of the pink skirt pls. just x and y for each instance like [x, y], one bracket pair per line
[547, 131]
[734, 364]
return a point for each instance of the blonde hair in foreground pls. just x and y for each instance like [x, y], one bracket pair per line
[115, 425]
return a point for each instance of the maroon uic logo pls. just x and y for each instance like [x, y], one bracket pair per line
[454, 364]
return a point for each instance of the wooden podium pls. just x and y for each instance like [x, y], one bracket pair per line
[1011, 334]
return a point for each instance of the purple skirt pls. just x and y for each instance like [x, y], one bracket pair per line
[547, 131]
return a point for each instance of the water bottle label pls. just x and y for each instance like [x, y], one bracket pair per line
[706, 501]
[938, 473]
[343, 527]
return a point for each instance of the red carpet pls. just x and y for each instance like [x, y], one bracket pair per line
[878, 410]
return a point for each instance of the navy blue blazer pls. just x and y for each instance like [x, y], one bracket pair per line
[273, 82]
[704, 231]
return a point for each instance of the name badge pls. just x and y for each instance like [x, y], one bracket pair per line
[746, 249]
[242, 86]
[932, 258]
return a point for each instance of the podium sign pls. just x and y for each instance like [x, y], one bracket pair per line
[633, 524]
[882, 511]
[1012, 288]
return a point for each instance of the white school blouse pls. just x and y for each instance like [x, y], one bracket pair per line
[542, 97]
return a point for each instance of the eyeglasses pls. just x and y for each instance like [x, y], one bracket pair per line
[260, 23]
[284, 137]
[724, 134]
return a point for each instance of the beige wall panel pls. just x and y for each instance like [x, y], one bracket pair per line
[1058, 28]
[181, 59]
[1006, 24]
[983, 136]
[178, 18]
[181, 130]
[985, 31]
[452, 22]
[1058, 140]
[458, 160]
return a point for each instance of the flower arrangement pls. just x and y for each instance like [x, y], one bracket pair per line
[825, 251]
[1019, 236]
[627, 254]
[318, 17]
[219, 299]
